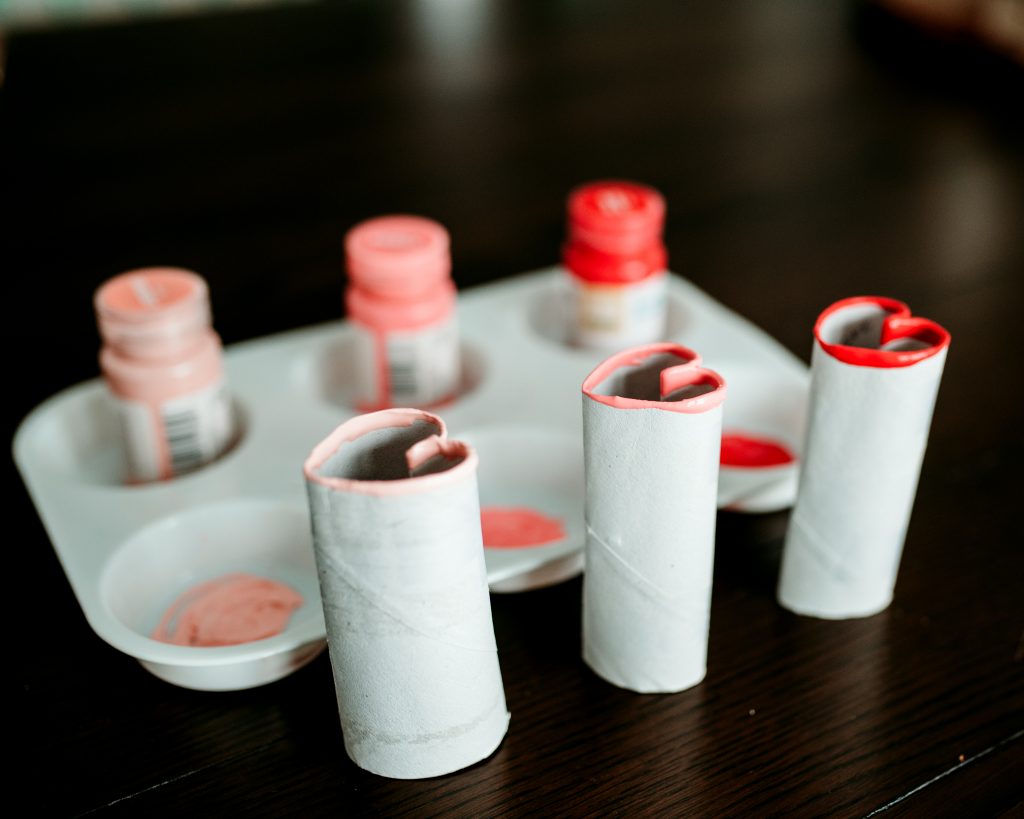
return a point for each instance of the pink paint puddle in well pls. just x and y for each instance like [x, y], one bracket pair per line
[235, 608]
[745, 450]
[510, 527]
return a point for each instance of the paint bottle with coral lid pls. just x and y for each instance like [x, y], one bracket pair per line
[401, 301]
[616, 261]
[162, 362]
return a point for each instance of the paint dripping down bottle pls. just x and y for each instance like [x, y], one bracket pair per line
[401, 301]
[163, 365]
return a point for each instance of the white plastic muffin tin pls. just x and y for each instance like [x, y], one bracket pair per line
[130, 551]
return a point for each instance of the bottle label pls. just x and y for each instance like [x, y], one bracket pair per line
[618, 315]
[176, 436]
[408, 368]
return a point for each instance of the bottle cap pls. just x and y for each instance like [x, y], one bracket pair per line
[621, 218]
[154, 312]
[398, 256]
[615, 232]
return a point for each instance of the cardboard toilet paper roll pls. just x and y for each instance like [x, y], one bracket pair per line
[652, 426]
[875, 372]
[396, 530]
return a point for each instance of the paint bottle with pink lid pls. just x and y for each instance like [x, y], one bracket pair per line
[401, 301]
[615, 259]
[162, 362]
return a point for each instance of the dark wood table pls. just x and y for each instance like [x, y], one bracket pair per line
[808, 150]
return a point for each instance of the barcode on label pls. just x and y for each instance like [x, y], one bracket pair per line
[402, 371]
[183, 439]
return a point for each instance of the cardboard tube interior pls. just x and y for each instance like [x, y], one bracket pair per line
[378, 455]
[651, 482]
[640, 380]
[859, 325]
[396, 531]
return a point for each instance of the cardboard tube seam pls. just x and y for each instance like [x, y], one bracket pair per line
[399, 619]
[644, 581]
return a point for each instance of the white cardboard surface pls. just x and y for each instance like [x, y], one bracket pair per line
[866, 437]
[409, 629]
[650, 508]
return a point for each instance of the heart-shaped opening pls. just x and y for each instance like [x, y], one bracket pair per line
[387, 452]
[874, 331]
[664, 376]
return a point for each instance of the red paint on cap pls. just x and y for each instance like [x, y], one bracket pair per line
[615, 232]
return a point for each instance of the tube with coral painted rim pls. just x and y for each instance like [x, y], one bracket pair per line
[396, 532]
[652, 421]
[875, 372]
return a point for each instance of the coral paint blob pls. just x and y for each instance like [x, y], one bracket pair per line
[235, 608]
[510, 527]
[740, 449]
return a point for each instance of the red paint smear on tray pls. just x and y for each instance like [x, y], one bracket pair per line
[233, 609]
[510, 527]
[744, 450]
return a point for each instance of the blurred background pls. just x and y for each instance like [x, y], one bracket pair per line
[807, 148]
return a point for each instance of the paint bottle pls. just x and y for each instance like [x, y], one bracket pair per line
[615, 260]
[401, 301]
[162, 362]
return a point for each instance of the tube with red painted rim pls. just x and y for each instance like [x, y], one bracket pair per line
[652, 425]
[163, 365]
[401, 301]
[396, 532]
[616, 262]
[875, 372]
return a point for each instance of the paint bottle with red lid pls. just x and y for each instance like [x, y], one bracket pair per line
[616, 262]
[401, 301]
[162, 362]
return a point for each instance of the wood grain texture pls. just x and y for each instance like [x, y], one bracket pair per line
[808, 150]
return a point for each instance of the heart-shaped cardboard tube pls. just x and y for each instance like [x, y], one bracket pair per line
[663, 376]
[875, 331]
[390, 452]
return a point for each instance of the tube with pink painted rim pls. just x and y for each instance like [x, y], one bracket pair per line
[401, 302]
[396, 531]
[875, 372]
[652, 425]
[163, 365]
